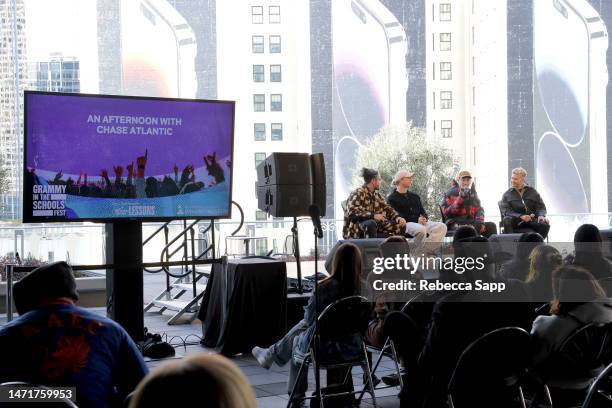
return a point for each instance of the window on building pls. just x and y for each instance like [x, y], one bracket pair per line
[275, 44]
[275, 73]
[445, 41]
[258, 44]
[259, 103]
[446, 70]
[257, 14]
[276, 131]
[274, 14]
[259, 157]
[434, 99]
[258, 73]
[446, 100]
[445, 12]
[276, 102]
[260, 131]
[447, 128]
[434, 70]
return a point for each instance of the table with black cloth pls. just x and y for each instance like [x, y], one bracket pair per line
[244, 305]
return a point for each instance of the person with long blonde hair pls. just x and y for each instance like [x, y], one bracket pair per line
[203, 379]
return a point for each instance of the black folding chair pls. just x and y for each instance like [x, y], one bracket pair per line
[490, 371]
[340, 322]
[510, 229]
[600, 392]
[450, 231]
[64, 402]
[580, 359]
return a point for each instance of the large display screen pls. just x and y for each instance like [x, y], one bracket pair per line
[108, 158]
[570, 45]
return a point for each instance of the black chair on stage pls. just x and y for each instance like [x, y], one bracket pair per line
[450, 231]
[61, 402]
[491, 370]
[505, 224]
[600, 392]
[580, 359]
[339, 323]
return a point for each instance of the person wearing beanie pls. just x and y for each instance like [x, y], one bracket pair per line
[367, 210]
[56, 343]
[428, 235]
[461, 206]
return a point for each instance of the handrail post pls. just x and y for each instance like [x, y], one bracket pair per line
[9, 292]
[166, 233]
[193, 265]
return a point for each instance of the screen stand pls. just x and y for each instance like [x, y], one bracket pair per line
[124, 284]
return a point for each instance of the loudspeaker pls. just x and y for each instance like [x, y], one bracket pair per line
[284, 168]
[319, 192]
[285, 200]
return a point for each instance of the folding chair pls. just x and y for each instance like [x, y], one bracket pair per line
[580, 359]
[600, 392]
[486, 377]
[340, 322]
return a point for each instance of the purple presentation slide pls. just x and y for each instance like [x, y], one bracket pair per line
[91, 157]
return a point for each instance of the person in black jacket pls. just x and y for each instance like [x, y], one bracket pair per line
[522, 206]
[428, 235]
[589, 253]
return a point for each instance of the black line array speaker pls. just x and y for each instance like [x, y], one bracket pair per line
[288, 183]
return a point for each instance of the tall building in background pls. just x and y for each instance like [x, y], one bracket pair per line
[12, 82]
[485, 99]
[59, 74]
[447, 57]
[266, 70]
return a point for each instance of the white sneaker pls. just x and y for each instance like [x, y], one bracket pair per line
[263, 356]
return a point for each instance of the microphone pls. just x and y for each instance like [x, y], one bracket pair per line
[315, 214]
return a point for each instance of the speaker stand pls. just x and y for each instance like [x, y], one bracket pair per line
[296, 254]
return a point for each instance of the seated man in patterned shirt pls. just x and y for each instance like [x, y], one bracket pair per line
[367, 209]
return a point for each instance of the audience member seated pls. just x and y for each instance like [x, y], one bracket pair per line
[408, 205]
[461, 206]
[522, 206]
[589, 252]
[367, 210]
[388, 300]
[207, 380]
[55, 343]
[457, 319]
[518, 267]
[344, 281]
[544, 259]
[579, 300]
